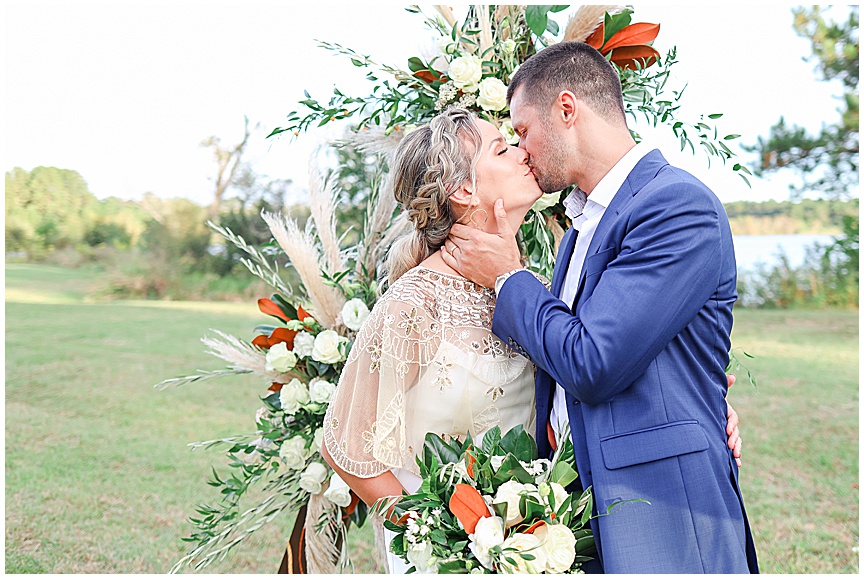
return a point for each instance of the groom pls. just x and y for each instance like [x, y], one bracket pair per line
[632, 341]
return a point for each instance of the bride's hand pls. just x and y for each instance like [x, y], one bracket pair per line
[735, 440]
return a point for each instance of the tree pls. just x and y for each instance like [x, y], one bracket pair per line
[827, 162]
[229, 161]
[242, 215]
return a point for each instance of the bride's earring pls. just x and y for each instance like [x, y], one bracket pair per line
[485, 219]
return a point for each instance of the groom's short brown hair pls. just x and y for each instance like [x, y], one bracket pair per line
[573, 66]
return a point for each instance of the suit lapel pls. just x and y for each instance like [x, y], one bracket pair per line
[644, 171]
[562, 261]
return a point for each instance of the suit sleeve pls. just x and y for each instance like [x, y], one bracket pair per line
[666, 270]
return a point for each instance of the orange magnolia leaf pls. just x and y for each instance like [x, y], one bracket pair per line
[469, 466]
[270, 308]
[275, 387]
[468, 506]
[595, 39]
[428, 76]
[628, 56]
[261, 342]
[633, 35]
[282, 335]
[302, 314]
[530, 530]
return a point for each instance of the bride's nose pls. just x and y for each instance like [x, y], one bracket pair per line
[523, 156]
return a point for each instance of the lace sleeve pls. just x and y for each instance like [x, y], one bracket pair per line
[364, 429]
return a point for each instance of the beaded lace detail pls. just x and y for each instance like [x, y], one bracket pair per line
[425, 361]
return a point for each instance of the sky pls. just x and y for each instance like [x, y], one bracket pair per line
[125, 93]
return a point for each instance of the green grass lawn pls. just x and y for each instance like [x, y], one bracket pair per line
[99, 478]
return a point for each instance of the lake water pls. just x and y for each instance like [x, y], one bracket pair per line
[752, 250]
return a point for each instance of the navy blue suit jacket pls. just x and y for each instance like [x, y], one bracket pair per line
[641, 355]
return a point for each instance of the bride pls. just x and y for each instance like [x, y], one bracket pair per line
[426, 359]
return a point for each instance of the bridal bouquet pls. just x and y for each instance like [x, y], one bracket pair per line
[496, 508]
[471, 65]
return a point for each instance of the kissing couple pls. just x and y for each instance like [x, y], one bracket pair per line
[629, 345]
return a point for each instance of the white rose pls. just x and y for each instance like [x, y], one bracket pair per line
[354, 313]
[529, 544]
[559, 546]
[558, 492]
[420, 555]
[508, 46]
[326, 347]
[280, 358]
[493, 94]
[303, 342]
[546, 201]
[338, 492]
[293, 452]
[465, 71]
[313, 477]
[509, 134]
[508, 493]
[488, 533]
[318, 440]
[293, 395]
[320, 391]
[444, 43]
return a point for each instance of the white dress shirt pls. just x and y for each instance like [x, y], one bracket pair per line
[586, 211]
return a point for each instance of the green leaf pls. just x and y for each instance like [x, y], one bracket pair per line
[614, 24]
[536, 18]
[491, 439]
[288, 309]
[563, 474]
[434, 446]
[415, 64]
[511, 469]
[730, 137]
[439, 537]
[552, 27]
[715, 116]
[520, 444]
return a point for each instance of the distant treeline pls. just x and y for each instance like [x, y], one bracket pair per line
[162, 248]
[153, 248]
[787, 217]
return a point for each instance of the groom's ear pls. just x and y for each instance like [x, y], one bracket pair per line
[567, 107]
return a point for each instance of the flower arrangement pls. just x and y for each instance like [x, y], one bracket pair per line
[492, 508]
[299, 359]
[471, 67]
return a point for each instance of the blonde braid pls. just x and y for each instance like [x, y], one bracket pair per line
[430, 164]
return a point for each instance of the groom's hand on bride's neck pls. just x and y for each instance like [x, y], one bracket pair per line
[480, 256]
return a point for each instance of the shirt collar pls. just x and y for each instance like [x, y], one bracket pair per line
[609, 185]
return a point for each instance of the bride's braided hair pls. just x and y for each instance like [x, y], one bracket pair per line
[431, 162]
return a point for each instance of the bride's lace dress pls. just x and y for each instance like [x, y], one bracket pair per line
[424, 361]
